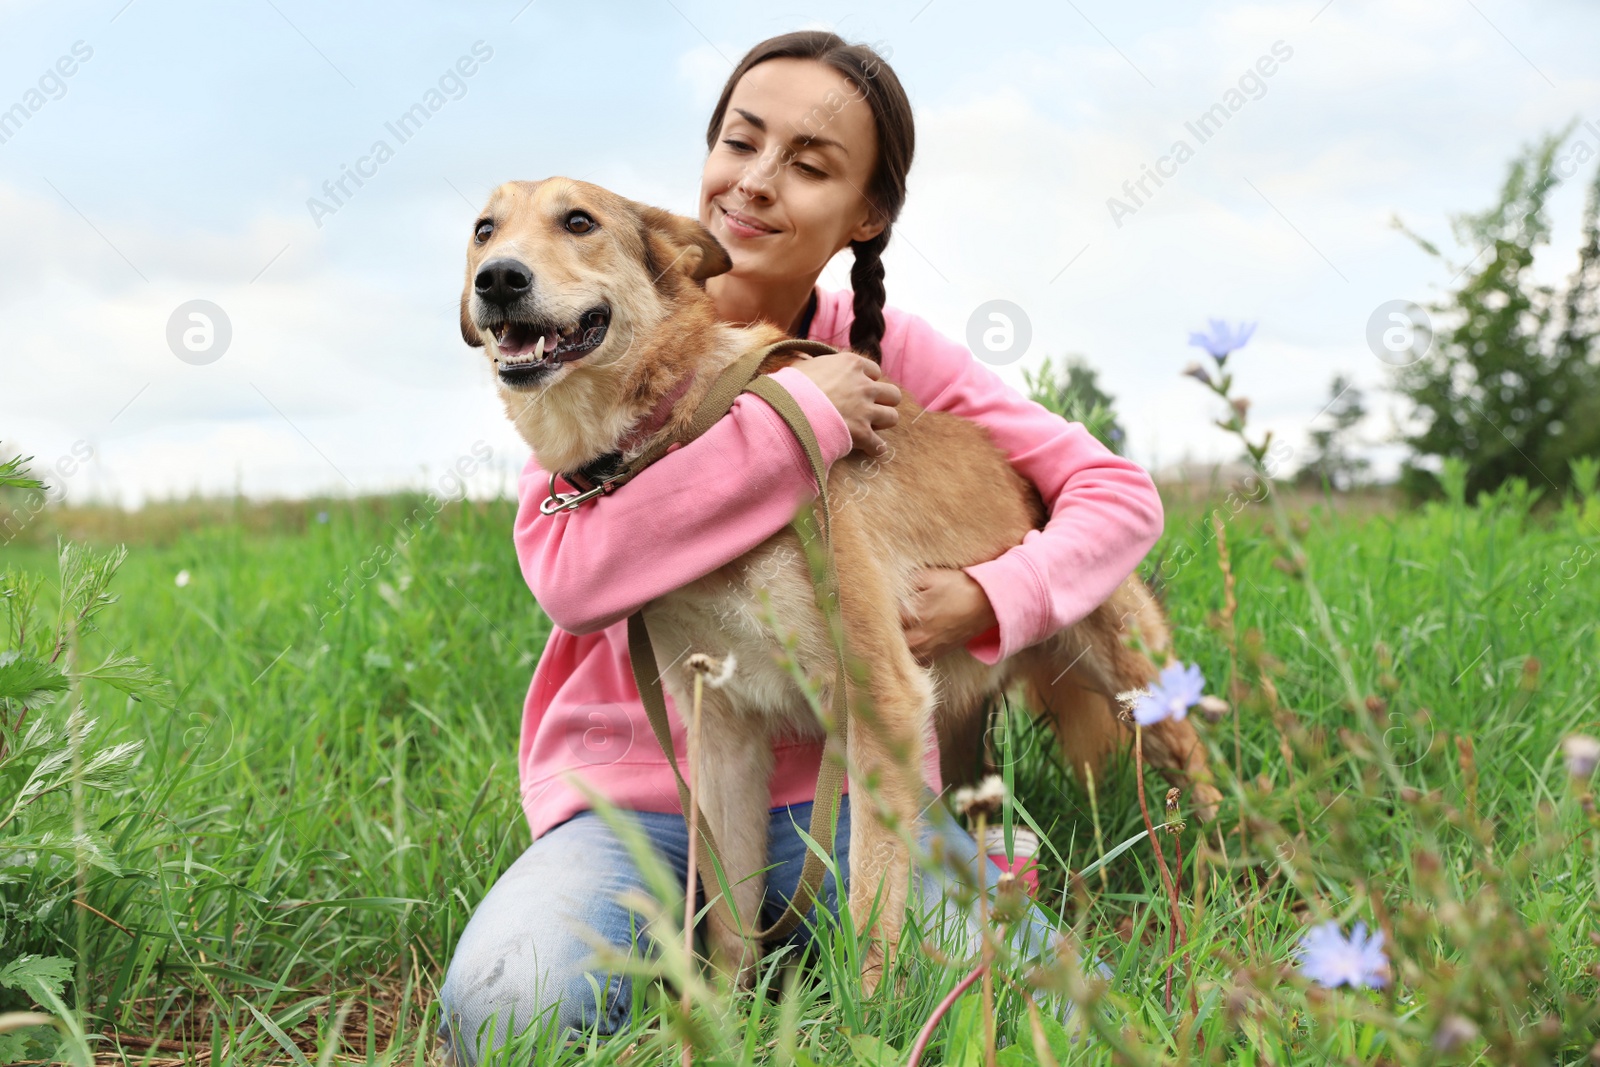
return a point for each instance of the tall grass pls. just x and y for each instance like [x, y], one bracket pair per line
[307, 828]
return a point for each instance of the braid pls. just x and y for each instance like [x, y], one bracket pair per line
[866, 279]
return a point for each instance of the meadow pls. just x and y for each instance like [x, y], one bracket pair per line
[329, 786]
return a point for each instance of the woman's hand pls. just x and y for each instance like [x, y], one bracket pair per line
[851, 382]
[948, 609]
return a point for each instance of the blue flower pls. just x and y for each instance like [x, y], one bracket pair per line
[1177, 690]
[1223, 339]
[1328, 959]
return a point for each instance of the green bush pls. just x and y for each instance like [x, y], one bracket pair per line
[1511, 385]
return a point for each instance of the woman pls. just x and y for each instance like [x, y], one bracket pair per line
[809, 147]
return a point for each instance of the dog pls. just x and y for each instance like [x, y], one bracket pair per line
[593, 311]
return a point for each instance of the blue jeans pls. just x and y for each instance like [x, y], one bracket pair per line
[521, 957]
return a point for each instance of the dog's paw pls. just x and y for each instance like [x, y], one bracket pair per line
[873, 965]
[733, 956]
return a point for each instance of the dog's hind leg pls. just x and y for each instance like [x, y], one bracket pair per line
[1084, 722]
[1075, 677]
[735, 764]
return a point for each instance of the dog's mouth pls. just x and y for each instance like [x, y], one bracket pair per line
[530, 350]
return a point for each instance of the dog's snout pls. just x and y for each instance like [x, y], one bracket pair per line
[502, 281]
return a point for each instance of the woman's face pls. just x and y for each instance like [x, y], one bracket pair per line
[784, 186]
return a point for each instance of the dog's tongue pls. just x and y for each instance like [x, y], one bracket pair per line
[514, 347]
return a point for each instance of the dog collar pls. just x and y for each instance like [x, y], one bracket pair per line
[730, 382]
[598, 472]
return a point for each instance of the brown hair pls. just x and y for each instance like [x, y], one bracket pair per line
[886, 189]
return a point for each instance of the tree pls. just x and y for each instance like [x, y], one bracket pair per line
[1074, 393]
[1509, 387]
[1333, 461]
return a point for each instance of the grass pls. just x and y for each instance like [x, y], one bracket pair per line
[309, 825]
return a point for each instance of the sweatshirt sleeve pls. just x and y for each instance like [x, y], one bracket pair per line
[700, 506]
[1105, 513]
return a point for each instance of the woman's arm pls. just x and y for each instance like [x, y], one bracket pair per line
[697, 508]
[1105, 513]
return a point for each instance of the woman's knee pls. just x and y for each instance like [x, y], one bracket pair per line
[524, 968]
[496, 1002]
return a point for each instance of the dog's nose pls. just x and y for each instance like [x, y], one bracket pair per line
[502, 281]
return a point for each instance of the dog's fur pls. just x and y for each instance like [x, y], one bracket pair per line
[944, 496]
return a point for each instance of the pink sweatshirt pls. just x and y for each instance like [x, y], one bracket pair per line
[709, 502]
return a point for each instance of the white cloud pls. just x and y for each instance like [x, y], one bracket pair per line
[346, 361]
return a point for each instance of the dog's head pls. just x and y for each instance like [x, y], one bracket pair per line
[563, 272]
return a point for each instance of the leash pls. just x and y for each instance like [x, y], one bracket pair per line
[741, 377]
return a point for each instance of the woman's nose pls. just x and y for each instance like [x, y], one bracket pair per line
[756, 180]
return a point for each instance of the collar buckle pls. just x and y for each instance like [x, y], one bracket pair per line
[572, 501]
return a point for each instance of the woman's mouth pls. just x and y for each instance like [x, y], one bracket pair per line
[743, 226]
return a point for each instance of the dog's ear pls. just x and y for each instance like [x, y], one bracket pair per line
[469, 332]
[675, 242]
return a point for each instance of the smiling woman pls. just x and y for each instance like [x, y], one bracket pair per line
[809, 147]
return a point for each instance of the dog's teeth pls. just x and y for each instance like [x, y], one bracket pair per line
[538, 348]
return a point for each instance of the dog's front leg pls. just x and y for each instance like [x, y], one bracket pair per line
[735, 765]
[885, 760]
[889, 716]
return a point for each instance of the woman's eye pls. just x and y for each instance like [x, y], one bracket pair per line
[578, 222]
[737, 145]
[808, 169]
[484, 228]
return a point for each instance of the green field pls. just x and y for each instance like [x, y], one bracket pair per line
[306, 830]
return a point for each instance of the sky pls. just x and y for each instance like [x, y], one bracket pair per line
[177, 160]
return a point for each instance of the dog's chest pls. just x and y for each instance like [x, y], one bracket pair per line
[725, 612]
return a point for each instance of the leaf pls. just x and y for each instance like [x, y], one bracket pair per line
[14, 473]
[28, 680]
[14, 1047]
[1016, 1056]
[279, 1036]
[32, 974]
[870, 1049]
[1055, 1036]
[964, 1044]
[1119, 850]
[133, 677]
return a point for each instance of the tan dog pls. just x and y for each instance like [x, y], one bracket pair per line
[594, 311]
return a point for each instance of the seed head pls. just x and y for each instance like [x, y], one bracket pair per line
[716, 673]
[985, 799]
[1213, 708]
[1582, 753]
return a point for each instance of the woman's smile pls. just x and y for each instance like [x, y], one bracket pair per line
[743, 226]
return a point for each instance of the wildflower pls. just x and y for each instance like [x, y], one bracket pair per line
[1240, 405]
[1223, 339]
[1582, 753]
[985, 799]
[182, 579]
[1198, 373]
[1177, 690]
[1328, 959]
[322, 517]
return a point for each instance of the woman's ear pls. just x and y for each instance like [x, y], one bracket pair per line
[678, 242]
[869, 227]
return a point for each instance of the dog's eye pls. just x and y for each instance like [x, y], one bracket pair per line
[579, 222]
[484, 228]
